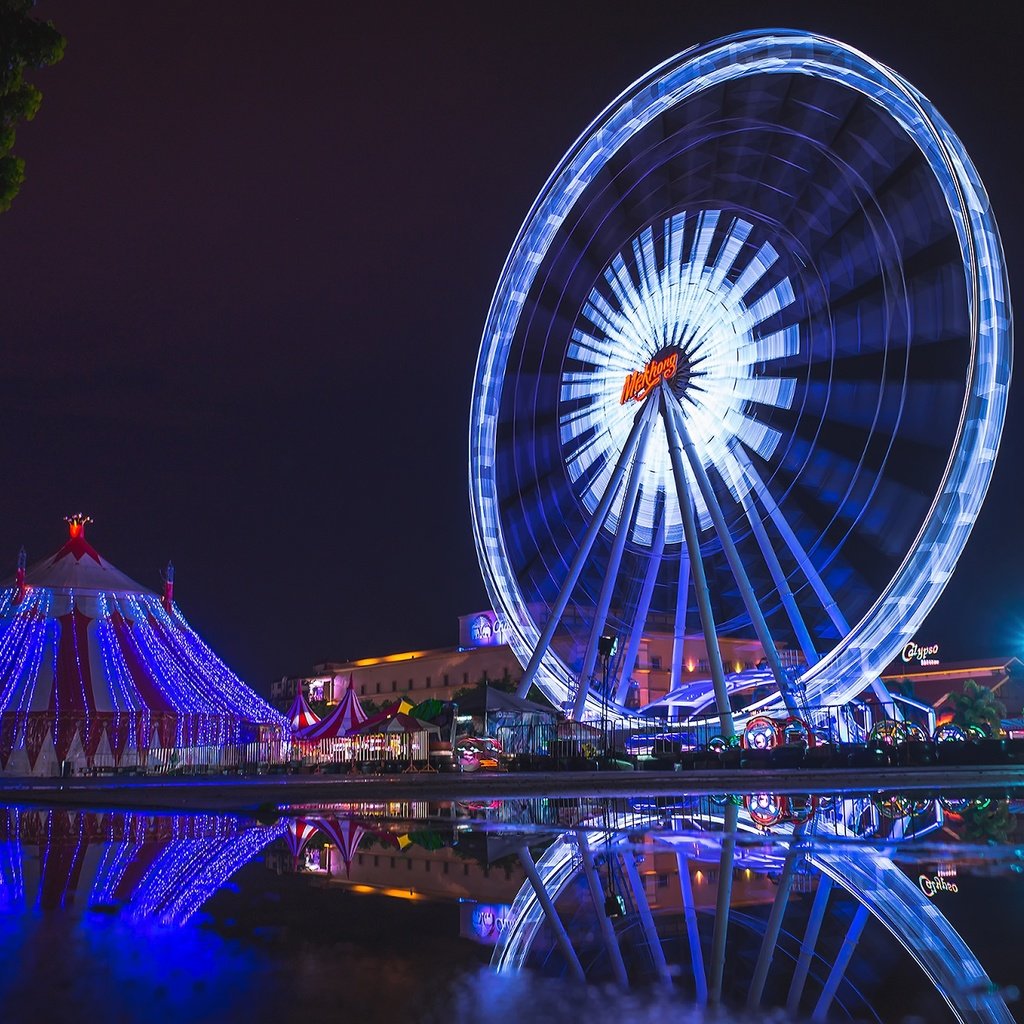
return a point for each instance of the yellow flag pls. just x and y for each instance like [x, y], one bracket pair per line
[404, 707]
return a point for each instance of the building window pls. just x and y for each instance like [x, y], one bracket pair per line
[408, 863]
[662, 881]
[394, 685]
[362, 690]
[428, 680]
[392, 862]
[411, 687]
[378, 687]
[444, 868]
[446, 679]
[465, 679]
[655, 661]
[376, 861]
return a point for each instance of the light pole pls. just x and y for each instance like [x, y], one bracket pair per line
[606, 646]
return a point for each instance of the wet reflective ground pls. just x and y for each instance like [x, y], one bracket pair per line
[816, 907]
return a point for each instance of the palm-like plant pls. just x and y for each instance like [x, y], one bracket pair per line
[978, 706]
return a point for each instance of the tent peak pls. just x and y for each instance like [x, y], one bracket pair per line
[77, 546]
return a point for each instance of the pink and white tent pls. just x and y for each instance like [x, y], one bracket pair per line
[340, 722]
[300, 714]
[345, 834]
[298, 835]
[94, 664]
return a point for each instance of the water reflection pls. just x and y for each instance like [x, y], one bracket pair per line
[144, 867]
[847, 906]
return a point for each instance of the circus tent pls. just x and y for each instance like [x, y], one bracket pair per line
[300, 714]
[346, 716]
[92, 664]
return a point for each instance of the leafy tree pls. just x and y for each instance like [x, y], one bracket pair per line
[25, 45]
[977, 705]
[990, 823]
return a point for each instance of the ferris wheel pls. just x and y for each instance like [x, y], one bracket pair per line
[744, 374]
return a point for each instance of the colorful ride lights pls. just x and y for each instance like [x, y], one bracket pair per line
[891, 732]
[763, 733]
[769, 809]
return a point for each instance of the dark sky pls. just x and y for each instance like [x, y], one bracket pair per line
[244, 285]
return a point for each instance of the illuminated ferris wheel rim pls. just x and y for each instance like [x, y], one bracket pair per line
[874, 639]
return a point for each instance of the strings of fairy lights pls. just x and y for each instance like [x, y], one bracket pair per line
[209, 706]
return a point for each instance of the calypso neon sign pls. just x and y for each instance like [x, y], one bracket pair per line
[922, 655]
[640, 383]
[930, 886]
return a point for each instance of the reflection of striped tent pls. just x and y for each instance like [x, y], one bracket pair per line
[300, 714]
[346, 716]
[346, 834]
[157, 868]
[298, 835]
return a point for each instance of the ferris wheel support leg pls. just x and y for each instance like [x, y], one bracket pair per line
[723, 902]
[604, 601]
[803, 964]
[732, 556]
[679, 633]
[700, 980]
[842, 961]
[771, 934]
[795, 547]
[803, 635]
[600, 514]
[700, 581]
[605, 926]
[646, 918]
[550, 913]
[642, 608]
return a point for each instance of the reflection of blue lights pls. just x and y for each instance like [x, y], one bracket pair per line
[159, 869]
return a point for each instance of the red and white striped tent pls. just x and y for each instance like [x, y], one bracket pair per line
[346, 833]
[95, 668]
[298, 835]
[340, 722]
[300, 714]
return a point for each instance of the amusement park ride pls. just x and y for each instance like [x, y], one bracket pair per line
[745, 372]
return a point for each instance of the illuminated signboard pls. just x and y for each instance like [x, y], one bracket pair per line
[482, 629]
[930, 886]
[640, 382]
[922, 655]
[484, 922]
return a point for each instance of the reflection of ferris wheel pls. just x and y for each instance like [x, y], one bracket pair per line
[744, 373]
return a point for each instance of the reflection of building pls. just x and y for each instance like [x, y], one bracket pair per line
[934, 683]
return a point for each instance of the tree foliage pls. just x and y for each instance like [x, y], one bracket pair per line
[978, 706]
[25, 45]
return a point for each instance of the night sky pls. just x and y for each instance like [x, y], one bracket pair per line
[245, 280]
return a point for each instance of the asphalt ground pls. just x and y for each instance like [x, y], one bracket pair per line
[249, 794]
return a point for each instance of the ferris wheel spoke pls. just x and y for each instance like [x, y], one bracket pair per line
[700, 582]
[583, 552]
[739, 573]
[642, 608]
[612, 572]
